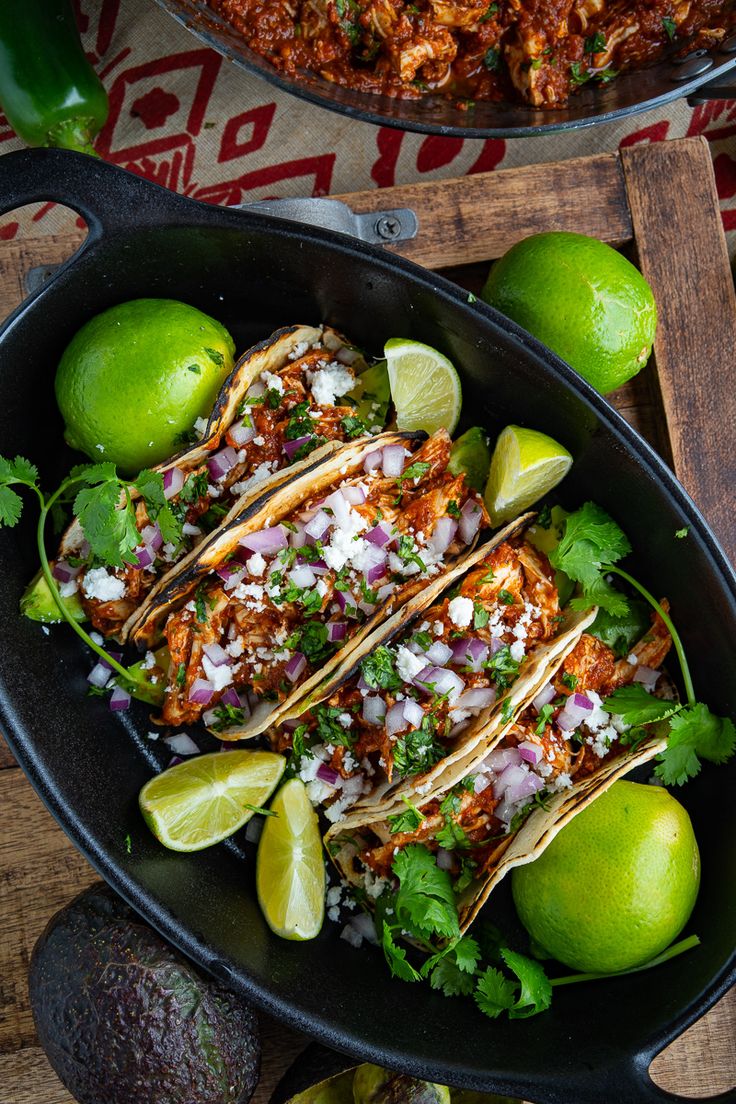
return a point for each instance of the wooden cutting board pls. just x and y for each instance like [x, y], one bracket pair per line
[659, 204]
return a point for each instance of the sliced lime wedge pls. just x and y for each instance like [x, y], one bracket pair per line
[290, 868]
[204, 800]
[525, 466]
[425, 387]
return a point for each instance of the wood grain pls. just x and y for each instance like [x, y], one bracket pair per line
[681, 249]
[481, 216]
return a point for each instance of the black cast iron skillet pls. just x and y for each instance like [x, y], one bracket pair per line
[702, 75]
[88, 765]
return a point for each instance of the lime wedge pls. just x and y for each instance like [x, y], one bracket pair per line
[290, 868]
[470, 454]
[425, 387]
[204, 800]
[525, 466]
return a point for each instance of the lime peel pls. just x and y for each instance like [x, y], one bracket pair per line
[425, 386]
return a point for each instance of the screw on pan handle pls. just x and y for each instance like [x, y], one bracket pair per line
[107, 197]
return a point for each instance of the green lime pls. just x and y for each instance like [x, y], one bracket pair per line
[425, 387]
[525, 466]
[204, 800]
[617, 883]
[135, 379]
[290, 868]
[470, 454]
[581, 298]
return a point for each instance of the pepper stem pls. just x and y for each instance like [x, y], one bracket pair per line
[73, 134]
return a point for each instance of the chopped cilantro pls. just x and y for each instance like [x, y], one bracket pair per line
[481, 616]
[670, 27]
[408, 553]
[569, 680]
[545, 714]
[181, 674]
[681, 533]
[492, 59]
[418, 750]
[379, 671]
[353, 426]
[595, 44]
[227, 716]
[300, 424]
[503, 667]
[506, 597]
[453, 509]
[407, 821]
[330, 728]
[128, 843]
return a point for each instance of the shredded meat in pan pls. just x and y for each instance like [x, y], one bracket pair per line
[535, 51]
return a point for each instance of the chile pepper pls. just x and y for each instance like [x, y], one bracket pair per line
[49, 92]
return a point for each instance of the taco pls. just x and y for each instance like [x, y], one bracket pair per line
[291, 399]
[501, 804]
[279, 598]
[426, 696]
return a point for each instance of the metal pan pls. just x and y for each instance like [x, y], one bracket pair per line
[255, 273]
[702, 75]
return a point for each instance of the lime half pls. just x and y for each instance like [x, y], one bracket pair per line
[425, 387]
[204, 800]
[525, 466]
[290, 869]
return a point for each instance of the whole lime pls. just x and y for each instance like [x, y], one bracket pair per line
[581, 298]
[136, 377]
[617, 883]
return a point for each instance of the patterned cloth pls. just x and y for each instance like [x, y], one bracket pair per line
[184, 117]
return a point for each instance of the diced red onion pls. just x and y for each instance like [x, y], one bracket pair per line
[531, 752]
[374, 709]
[544, 697]
[647, 676]
[216, 654]
[576, 709]
[379, 535]
[372, 461]
[151, 535]
[182, 744]
[443, 534]
[509, 776]
[393, 461]
[368, 608]
[526, 787]
[343, 599]
[319, 525]
[190, 530]
[173, 482]
[482, 782]
[373, 574]
[336, 630]
[501, 758]
[174, 761]
[221, 463]
[395, 719]
[347, 356]
[340, 508]
[63, 572]
[119, 699]
[439, 680]
[445, 860]
[480, 697]
[385, 591]
[113, 655]
[100, 675]
[292, 447]
[201, 692]
[302, 576]
[241, 433]
[413, 712]
[294, 669]
[144, 556]
[470, 516]
[256, 390]
[460, 652]
[319, 567]
[327, 774]
[227, 571]
[230, 696]
[439, 653]
[297, 538]
[505, 812]
[362, 684]
[354, 495]
[265, 540]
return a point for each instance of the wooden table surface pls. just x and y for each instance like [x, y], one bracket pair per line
[645, 197]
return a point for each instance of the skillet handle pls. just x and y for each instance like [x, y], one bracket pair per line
[629, 1082]
[108, 198]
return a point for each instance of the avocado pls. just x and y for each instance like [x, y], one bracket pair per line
[375, 1085]
[38, 604]
[125, 1019]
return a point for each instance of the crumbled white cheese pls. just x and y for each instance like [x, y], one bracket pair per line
[67, 589]
[149, 661]
[256, 564]
[220, 677]
[262, 472]
[409, 665]
[561, 782]
[105, 588]
[272, 382]
[460, 611]
[351, 936]
[330, 383]
[439, 628]
[200, 426]
[259, 441]
[299, 350]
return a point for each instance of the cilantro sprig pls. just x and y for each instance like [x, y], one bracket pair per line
[589, 550]
[104, 504]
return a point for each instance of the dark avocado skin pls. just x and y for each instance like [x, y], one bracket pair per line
[124, 1019]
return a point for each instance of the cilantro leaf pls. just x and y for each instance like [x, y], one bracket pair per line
[536, 992]
[695, 733]
[425, 902]
[621, 633]
[494, 993]
[591, 542]
[111, 532]
[11, 505]
[409, 820]
[150, 486]
[453, 970]
[396, 957]
[637, 707]
[379, 672]
[20, 471]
